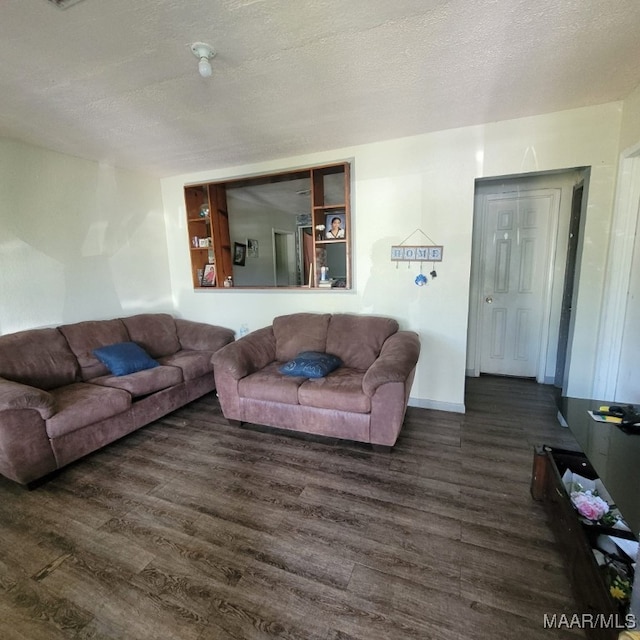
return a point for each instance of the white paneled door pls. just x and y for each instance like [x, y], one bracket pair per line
[515, 280]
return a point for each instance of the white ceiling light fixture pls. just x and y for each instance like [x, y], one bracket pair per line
[204, 53]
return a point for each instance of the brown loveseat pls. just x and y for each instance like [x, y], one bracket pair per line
[363, 400]
[58, 402]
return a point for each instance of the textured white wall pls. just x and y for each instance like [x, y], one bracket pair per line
[78, 240]
[427, 182]
[630, 127]
[628, 383]
[628, 387]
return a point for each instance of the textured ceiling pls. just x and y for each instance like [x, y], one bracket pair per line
[115, 80]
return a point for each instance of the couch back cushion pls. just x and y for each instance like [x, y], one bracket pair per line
[156, 333]
[357, 340]
[84, 337]
[39, 357]
[300, 332]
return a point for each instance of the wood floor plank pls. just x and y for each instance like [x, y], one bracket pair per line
[113, 596]
[311, 601]
[32, 608]
[535, 542]
[437, 615]
[194, 529]
[439, 567]
[24, 623]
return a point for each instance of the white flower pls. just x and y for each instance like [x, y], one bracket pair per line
[320, 227]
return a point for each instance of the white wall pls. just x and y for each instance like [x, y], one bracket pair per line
[427, 183]
[628, 382]
[628, 385]
[78, 240]
[630, 126]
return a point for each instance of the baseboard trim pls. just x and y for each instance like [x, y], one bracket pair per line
[472, 373]
[452, 407]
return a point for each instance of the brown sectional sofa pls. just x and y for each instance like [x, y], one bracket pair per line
[58, 402]
[363, 400]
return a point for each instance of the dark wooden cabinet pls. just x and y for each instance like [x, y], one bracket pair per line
[575, 538]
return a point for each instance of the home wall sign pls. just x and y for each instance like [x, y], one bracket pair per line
[409, 253]
[416, 253]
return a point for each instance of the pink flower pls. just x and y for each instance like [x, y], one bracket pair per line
[589, 506]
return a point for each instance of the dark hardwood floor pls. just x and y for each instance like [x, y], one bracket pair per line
[191, 529]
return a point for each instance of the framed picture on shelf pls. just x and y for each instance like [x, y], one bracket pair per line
[334, 226]
[252, 248]
[239, 253]
[209, 276]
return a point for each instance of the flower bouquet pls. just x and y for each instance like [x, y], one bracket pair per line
[612, 543]
[592, 507]
[591, 500]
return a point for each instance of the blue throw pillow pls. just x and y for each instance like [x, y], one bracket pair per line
[125, 357]
[311, 364]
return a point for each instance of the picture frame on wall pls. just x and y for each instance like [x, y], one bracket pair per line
[209, 276]
[239, 253]
[252, 248]
[335, 226]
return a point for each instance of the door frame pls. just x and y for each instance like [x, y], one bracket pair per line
[302, 229]
[477, 272]
[291, 253]
[618, 274]
[570, 287]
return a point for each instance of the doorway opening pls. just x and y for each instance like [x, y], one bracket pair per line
[525, 253]
[284, 264]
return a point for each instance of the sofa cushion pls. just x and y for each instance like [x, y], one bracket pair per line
[199, 336]
[300, 332]
[84, 337]
[311, 364]
[156, 333]
[269, 384]
[358, 339]
[142, 383]
[342, 391]
[124, 358]
[40, 358]
[81, 404]
[193, 364]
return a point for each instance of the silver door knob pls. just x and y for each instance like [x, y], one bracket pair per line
[488, 299]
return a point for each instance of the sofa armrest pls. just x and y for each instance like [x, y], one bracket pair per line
[14, 395]
[246, 355]
[200, 336]
[398, 358]
[25, 450]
